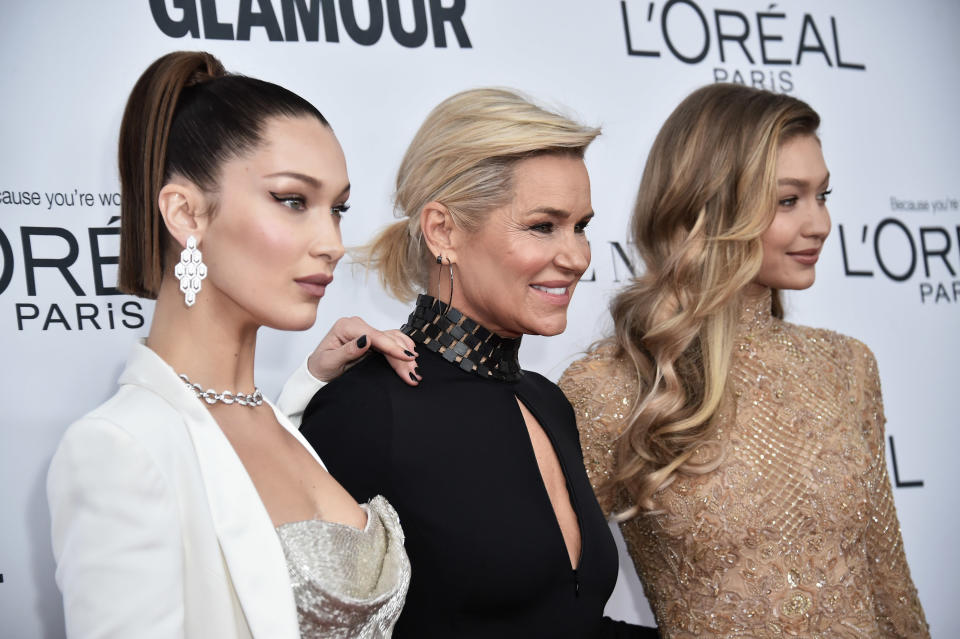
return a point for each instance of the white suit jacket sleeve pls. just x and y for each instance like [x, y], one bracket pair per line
[116, 536]
[297, 393]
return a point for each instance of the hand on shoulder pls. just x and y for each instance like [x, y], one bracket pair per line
[350, 338]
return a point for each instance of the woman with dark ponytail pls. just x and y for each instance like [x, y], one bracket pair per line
[180, 508]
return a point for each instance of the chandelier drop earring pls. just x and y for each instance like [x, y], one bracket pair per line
[190, 270]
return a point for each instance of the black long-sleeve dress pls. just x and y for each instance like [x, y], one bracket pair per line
[454, 458]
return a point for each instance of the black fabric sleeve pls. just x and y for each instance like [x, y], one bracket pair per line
[349, 423]
[612, 629]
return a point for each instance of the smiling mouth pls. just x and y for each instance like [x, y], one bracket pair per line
[558, 290]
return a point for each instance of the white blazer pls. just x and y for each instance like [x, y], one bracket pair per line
[158, 530]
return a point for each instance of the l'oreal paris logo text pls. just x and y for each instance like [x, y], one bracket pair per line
[51, 256]
[409, 22]
[690, 33]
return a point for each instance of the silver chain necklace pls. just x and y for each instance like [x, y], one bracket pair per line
[211, 396]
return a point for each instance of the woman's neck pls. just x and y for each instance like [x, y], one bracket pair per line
[755, 309]
[460, 303]
[754, 291]
[209, 347]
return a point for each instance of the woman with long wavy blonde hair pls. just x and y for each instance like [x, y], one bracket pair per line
[743, 455]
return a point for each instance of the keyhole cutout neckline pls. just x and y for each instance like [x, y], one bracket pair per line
[572, 539]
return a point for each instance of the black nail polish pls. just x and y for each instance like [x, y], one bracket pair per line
[408, 353]
[362, 341]
[412, 377]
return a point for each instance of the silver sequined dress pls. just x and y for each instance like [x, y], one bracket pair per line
[348, 582]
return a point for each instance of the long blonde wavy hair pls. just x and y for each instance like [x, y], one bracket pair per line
[707, 194]
[463, 156]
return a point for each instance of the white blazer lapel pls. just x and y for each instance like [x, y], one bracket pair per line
[247, 537]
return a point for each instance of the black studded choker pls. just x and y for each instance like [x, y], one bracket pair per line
[463, 342]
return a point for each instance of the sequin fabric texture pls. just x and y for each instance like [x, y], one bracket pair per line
[348, 582]
[795, 534]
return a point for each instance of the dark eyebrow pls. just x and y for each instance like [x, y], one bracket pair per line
[312, 181]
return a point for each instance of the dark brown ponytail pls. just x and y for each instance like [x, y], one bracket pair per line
[142, 161]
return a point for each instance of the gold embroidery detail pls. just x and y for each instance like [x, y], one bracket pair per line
[796, 604]
[796, 533]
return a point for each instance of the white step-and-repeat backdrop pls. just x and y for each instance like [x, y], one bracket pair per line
[885, 76]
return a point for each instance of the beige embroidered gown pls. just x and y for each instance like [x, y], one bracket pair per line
[795, 534]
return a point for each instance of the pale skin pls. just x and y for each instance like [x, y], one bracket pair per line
[270, 237]
[792, 242]
[515, 275]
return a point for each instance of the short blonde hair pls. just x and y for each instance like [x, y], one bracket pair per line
[463, 156]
